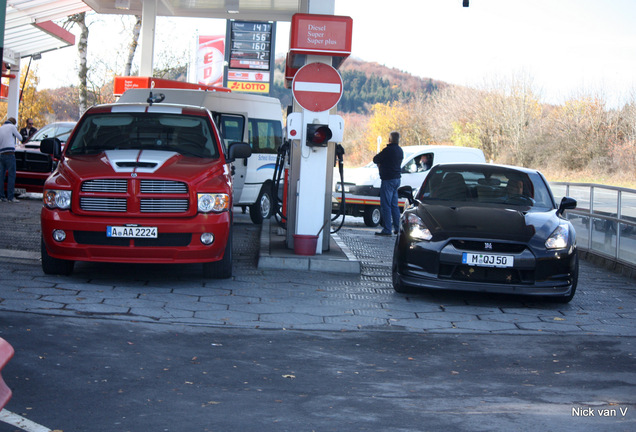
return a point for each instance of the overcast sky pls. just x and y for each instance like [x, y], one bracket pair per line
[565, 46]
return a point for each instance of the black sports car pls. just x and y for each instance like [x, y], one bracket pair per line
[486, 228]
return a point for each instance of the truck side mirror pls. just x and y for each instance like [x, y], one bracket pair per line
[238, 150]
[51, 146]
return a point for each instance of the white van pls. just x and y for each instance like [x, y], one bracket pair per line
[362, 185]
[254, 119]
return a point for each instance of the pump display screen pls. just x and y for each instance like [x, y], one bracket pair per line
[251, 45]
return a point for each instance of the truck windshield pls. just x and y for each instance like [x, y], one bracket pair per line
[188, 135]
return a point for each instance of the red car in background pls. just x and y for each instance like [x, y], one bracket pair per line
[32, 166]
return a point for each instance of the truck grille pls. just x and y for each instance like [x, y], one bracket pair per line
[163, 187]
[148, 201]
[105, 185]
[103, 204]
[33, 162]
[155, 205]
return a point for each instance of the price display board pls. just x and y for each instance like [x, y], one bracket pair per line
[250, 45]
[249, 56]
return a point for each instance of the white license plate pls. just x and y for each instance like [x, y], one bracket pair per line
[487, 260]
[131, 232]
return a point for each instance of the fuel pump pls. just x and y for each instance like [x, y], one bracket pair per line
[313, 128]
[314, 138]
[339, 161]
[279, 174]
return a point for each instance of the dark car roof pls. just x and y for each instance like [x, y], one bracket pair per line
[460, 166]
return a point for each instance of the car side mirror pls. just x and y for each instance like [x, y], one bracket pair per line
[51, 146]
[567, 203]
[406, 192]
[238, 150]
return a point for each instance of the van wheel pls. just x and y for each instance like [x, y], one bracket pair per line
[220, 269]
[262, 208]
[372, 216]
[55, 266]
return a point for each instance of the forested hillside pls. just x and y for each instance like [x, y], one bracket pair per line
[581, 139]
[365, 84]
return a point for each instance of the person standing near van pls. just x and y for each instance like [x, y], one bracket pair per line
[8, 134]
[389, 162]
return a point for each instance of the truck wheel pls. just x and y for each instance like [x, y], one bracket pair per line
[372, 216]
[262, 208]
[220, 269]
[55, 266]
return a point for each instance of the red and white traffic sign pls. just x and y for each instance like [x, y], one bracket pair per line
[317, 87]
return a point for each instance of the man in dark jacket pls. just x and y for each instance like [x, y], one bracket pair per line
[28, 130]
[389, 162]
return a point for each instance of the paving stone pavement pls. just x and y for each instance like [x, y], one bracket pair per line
[605, 302]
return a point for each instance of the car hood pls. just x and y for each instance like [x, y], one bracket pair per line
[510, 224]
[160, 164]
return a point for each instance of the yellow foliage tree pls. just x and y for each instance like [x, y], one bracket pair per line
[384, 119]
[32, 104]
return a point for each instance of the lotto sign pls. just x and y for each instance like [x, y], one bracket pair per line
[251, 87]
[317, 87]
[210, 57]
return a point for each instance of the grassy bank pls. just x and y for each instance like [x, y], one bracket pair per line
[626, 180]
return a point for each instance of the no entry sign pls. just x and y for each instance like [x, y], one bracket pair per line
[317, 87]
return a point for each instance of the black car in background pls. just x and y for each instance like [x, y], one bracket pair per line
[32, 166]
[486, 228]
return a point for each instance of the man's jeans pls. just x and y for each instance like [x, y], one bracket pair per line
[7, 164]
[389, 205]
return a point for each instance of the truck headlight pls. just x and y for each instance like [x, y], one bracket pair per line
[213, 202]
[60, 199]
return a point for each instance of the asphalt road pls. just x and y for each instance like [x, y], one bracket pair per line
[158, 348]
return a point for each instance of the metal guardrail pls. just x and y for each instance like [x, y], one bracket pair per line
[604, 219]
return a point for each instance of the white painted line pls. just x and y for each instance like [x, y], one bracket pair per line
[19, 421]
[316, 87]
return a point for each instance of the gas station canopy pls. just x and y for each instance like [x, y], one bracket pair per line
[29, 28]
[264, 10]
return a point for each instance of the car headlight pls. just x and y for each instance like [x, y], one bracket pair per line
[558, 239]
[60, 199]
[213, 202]
[416, 229]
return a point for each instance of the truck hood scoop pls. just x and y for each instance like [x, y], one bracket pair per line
[146, 161]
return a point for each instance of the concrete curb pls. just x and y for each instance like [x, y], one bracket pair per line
[274, 254]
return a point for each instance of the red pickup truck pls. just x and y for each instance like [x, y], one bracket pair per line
[141, 183]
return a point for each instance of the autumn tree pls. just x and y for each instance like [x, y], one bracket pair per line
[32, 103]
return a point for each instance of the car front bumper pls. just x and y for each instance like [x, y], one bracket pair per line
[439, 267]
[178, 239]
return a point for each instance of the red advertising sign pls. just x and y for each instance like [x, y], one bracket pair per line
[123, 83]
[321, 34]
[210, 58]
[317, 87]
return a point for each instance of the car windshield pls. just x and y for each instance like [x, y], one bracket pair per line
[490, 185]
[184, 134]
[61, 132]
